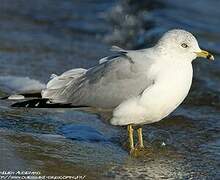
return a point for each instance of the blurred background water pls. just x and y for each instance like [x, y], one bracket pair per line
[38, 38]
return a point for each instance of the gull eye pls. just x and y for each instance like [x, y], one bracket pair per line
[184, 45]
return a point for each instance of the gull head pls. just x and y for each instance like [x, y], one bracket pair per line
[181, 45]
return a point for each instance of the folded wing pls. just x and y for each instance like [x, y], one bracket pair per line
[106, 85]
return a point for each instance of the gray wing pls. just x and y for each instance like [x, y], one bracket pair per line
[106, 85]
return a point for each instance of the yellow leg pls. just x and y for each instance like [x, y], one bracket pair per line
[130, 137]
[140, 138]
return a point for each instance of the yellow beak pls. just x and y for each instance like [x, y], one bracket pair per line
[205, 54]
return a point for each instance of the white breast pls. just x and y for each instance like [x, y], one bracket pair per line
[156, 102]
[169, 91]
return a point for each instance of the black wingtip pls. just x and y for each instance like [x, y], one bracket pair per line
[43, 103]
[33, 103]
[39, 103]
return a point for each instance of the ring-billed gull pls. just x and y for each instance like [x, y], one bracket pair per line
[140, 86]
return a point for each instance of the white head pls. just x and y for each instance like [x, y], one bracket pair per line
[180, 44]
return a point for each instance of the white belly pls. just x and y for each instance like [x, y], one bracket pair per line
[165, 97]
[157, 101]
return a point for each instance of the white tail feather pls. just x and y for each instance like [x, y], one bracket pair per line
[58, 84]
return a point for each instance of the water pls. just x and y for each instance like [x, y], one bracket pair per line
[42, 37]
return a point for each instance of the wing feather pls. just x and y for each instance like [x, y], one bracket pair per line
[106, 85]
